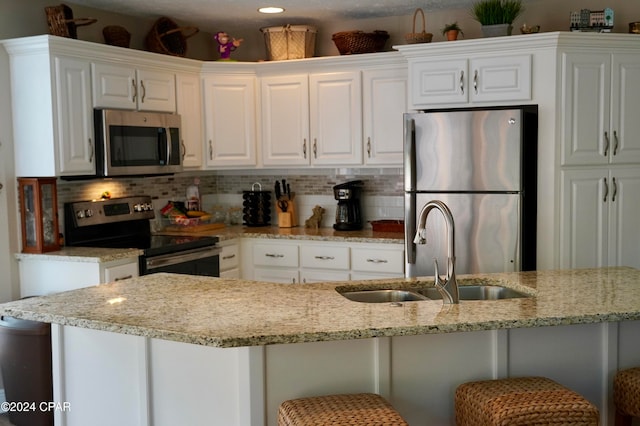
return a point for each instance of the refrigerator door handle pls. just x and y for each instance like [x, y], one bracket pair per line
[409, 153]
[410, 228]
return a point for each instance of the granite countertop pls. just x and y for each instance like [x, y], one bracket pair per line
[83, 254]
[299, 233]
[233, 313]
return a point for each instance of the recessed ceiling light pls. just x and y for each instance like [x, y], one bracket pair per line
[271, 9]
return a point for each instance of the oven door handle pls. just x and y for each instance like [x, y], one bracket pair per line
[160, 261]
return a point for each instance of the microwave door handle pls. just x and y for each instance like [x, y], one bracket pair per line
[167, 136]
[163, 140]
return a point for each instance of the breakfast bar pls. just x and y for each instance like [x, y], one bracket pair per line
[168, 349]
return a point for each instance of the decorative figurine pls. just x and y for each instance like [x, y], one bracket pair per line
[315, 219]
[226, 45]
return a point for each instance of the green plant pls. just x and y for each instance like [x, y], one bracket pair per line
[492, 12]
[452, 27]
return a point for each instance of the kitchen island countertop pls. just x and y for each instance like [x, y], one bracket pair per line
[234, 313]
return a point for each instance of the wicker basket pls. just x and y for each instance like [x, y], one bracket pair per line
[289, 42]
[115, 35]
[166, 37]
[61, 22]
[352, 42]
[421, 37]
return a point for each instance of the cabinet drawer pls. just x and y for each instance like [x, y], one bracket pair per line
[229, 257]
[275, 255]
[284, 276]
[120, 272]
[377, 260]
[324, 257]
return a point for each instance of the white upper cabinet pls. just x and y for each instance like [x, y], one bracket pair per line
[599, 95]
[52, 113]
[285, 120]
[123, 87]
[335, 108]
[230, 120]
[384, 100]
[189, 106]
[468, 79]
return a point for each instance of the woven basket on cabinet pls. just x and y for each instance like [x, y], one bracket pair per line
[352, 42]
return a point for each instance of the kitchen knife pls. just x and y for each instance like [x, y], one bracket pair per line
[277, 190]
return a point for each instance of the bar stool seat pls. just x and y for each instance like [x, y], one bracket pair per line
[521, 401]
[626, 395]
[366, 409]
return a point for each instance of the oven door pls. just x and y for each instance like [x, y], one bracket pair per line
[202, 261]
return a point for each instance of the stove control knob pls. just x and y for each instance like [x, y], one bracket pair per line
[88, 213]
[80, 214]
[148, 207]
[137, 208]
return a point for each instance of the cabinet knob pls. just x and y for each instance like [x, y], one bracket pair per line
[276, 255]
[615, 190]
[475, 81]
[144, 91]
[210, 150]
[615, 142]
[462, 82]
[606, 144]
[315, 148]
[377, 260]
[304, 147]
[369, 147]
[606, 190]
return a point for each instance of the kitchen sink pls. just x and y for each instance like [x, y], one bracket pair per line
[476, 292]
[467, 292]
[383, 296]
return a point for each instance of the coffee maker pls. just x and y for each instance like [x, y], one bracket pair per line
[348, 215]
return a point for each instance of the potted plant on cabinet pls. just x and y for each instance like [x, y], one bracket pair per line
[496, 16]
[451, 31]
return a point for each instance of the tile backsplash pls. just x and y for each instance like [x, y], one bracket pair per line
[381, 195]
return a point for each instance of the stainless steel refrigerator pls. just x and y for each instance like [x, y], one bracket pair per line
[482, 164]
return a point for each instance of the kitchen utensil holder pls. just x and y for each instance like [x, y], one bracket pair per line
[256, 206]
[289, 218]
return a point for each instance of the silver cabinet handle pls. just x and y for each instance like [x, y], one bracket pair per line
[126, 277]
[135, 90]
[315, 148]
[369, 147]
[475, 81]
[210, 150]
[462, 81]
[304, 147]
[91, 150]
[615, 190]
[231, 256]
[606, 144]
[615, 144]
[377, 261]
[275, 255]
[606, 190]
[324, 257]
[144, 91]
[184, 149]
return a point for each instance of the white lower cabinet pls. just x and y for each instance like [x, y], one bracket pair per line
[41, 275]
[229, 259]
[319, 261]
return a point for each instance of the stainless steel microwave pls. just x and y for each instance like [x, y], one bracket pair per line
[131, 143]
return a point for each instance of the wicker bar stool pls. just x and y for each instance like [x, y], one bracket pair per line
[366, 409]
[626, 395]
[521, 401]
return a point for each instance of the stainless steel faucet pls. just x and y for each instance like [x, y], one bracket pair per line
[449, 287]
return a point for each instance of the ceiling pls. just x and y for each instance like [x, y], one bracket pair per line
[209, 15]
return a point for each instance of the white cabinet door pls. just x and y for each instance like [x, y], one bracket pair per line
[625, 126]
[438, 82]
[336, 118]
[230, 120]
[189, 106]
[486, 80]
[285, 120]
[586, 96]
[279, 275]
[118, 86]
[74, 114]
[498, 79]
[584, 218]
[384, 100]
[624, 229]
[320, 276]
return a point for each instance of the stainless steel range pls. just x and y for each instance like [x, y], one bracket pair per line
[124, 223]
